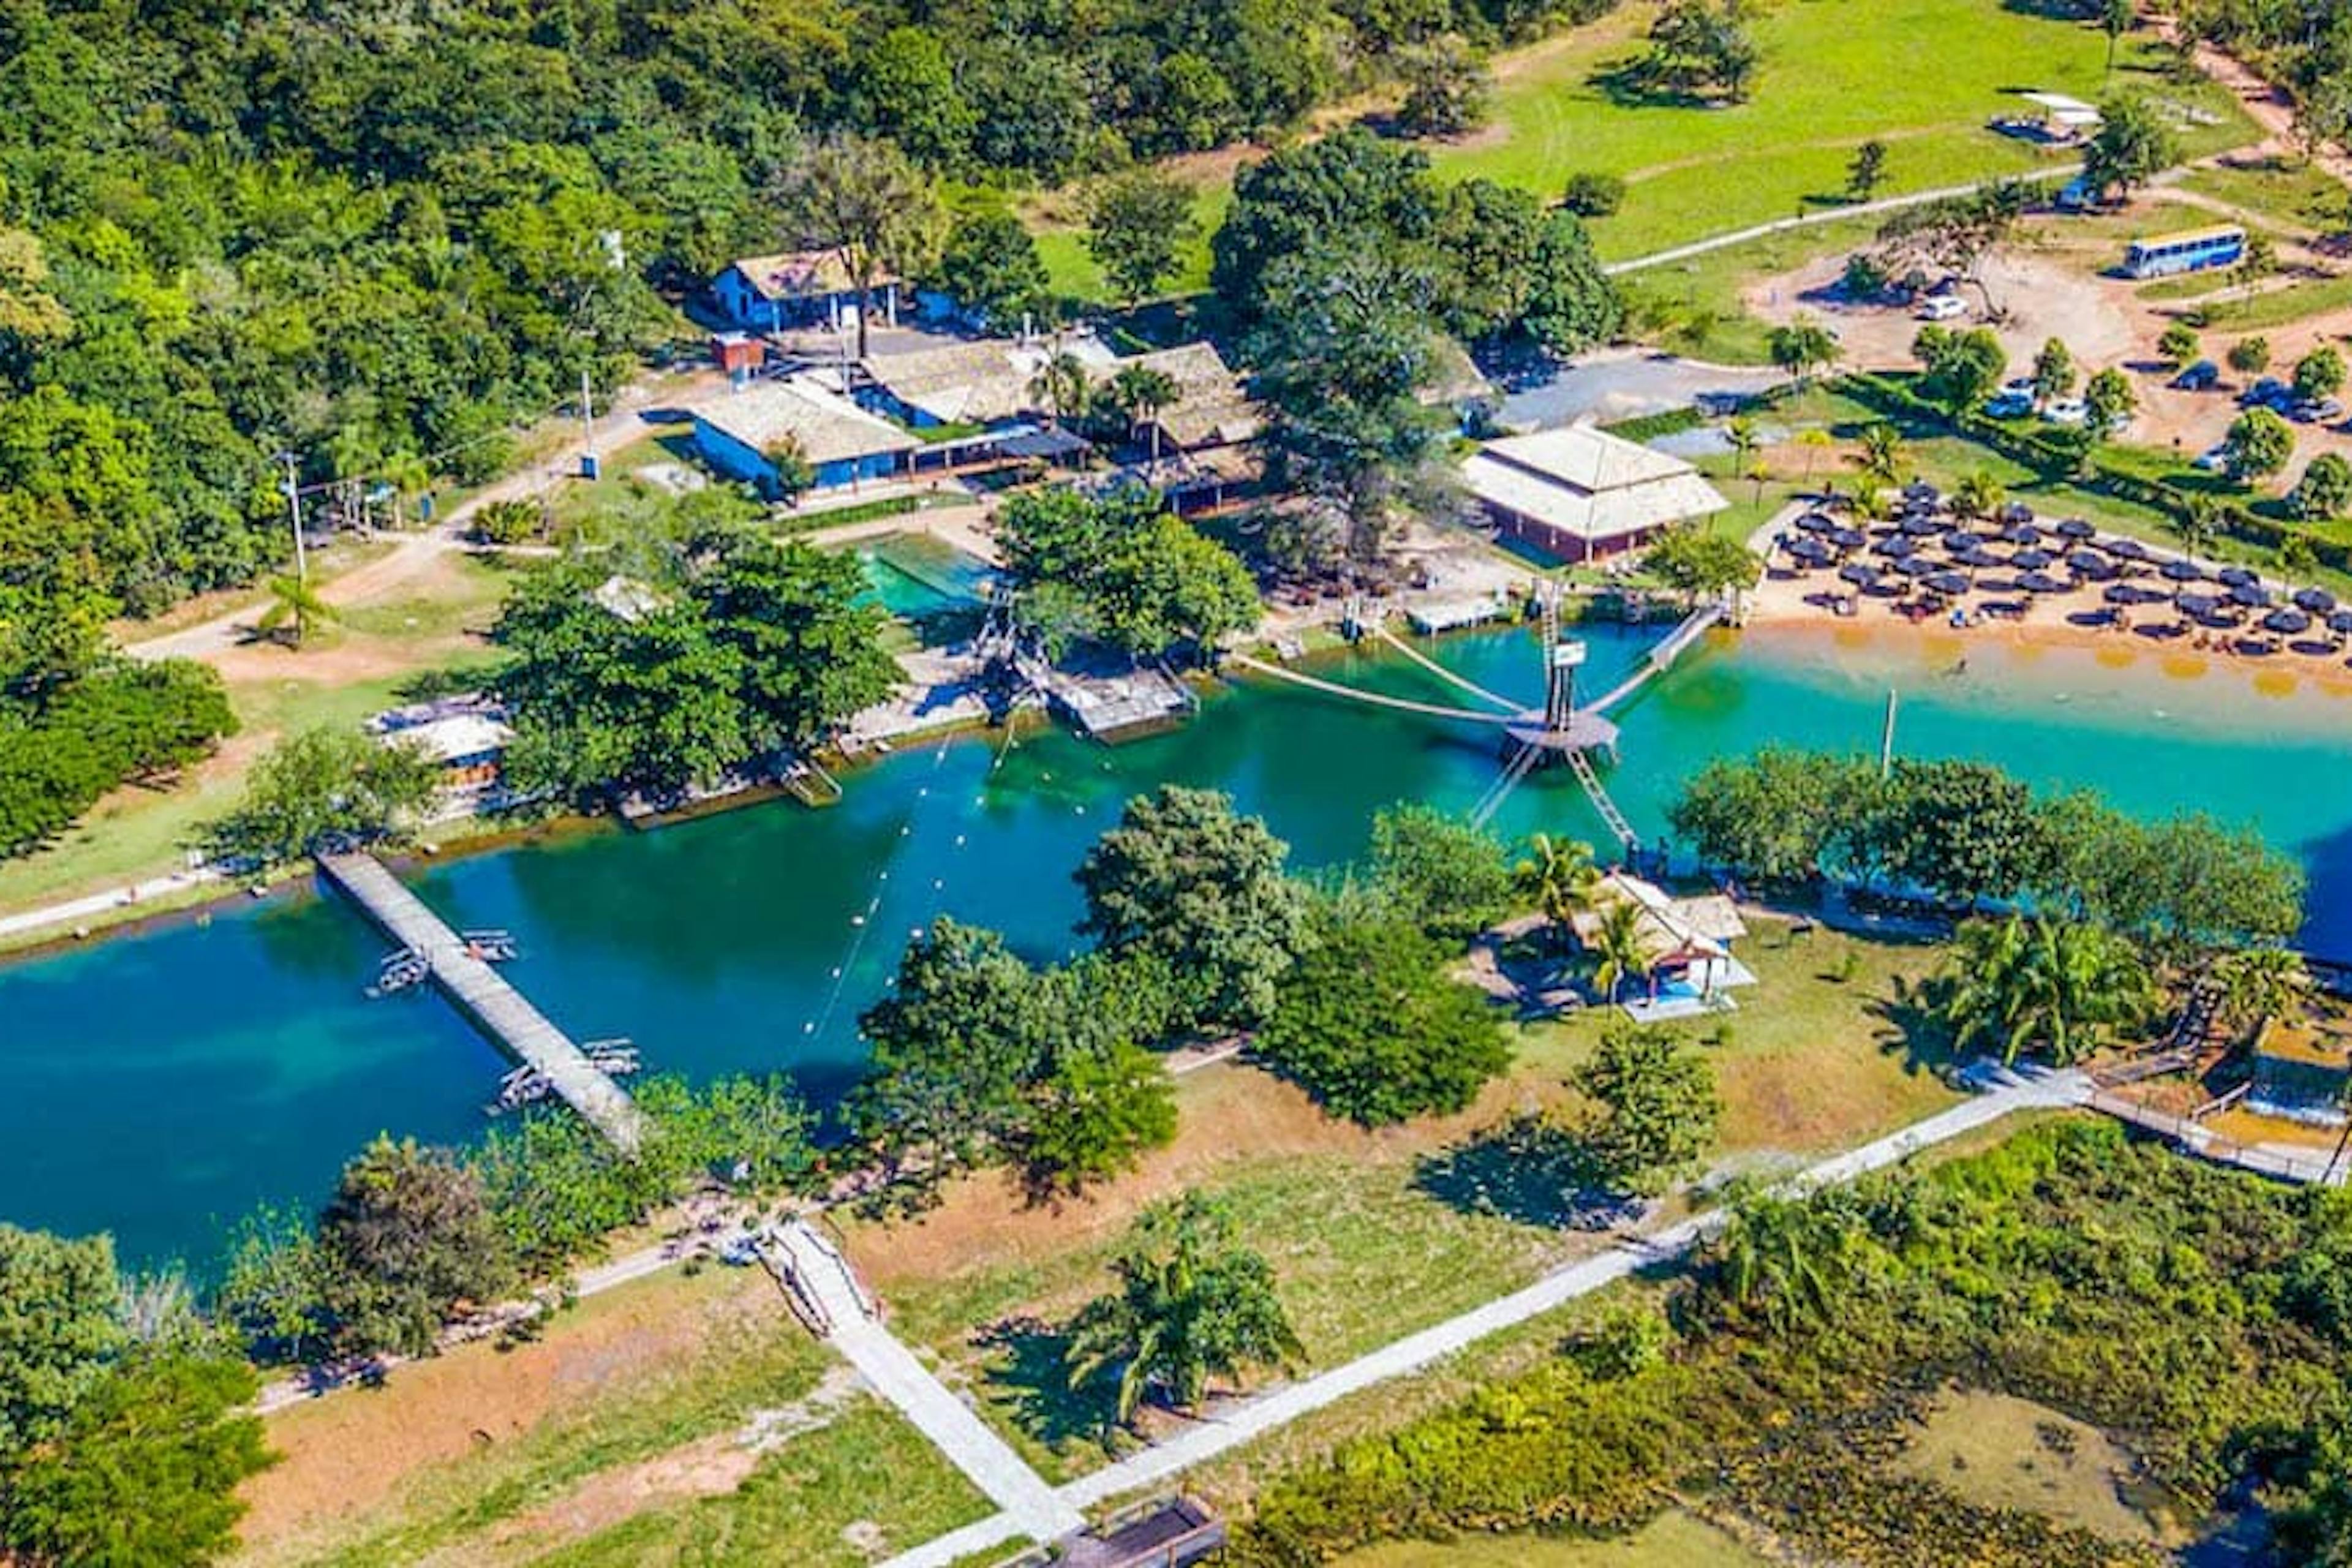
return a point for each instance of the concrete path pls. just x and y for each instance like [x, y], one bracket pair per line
[1029, 1507]
[2005, 1092]
[1827, 214]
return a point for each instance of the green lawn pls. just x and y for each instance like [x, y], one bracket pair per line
[1369, 1248]
[2278, 307]
[1925, 78]
[2292, 196]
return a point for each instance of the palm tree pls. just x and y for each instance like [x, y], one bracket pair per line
[1745, 443]
[1979, 494]
[1143, 391]
[1191, 1303]
[2030, 983]
[1784, 1259]
[2197, 524]
[1062, 387]
[1559, 875]
[1884, 456]
[2258, 983]
[1620, 947]
[295, 607]
[1814, 440]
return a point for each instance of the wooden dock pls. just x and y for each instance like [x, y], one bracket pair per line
[495, 1008]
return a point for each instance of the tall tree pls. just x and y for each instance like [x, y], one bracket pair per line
[1868, 171]
[990, 266]
[406, 1241]
[1656, 1106]
[1137, 224]
[860, 198]
[1185, 879]
[325, 789]
[1370, 1024]
[2133, 145]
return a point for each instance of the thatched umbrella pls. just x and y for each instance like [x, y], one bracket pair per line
[1945, 583]
[2286, 623]
[1811, 552]
[2075, 528]
[2042, 583]
[2181, 570]
[2318, 601]
[1860, 573]
[2236, 576]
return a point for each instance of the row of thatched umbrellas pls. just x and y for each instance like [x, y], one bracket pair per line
[1941, 556]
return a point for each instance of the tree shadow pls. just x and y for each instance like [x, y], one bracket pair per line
[1529, 1172]
[1916, 1032]
[1030, 1372]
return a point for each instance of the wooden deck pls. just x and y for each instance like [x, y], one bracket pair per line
[482, 995]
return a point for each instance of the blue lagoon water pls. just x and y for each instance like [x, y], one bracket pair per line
[163, 1082]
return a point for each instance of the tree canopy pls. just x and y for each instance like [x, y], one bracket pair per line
[1122, 570]
[743, 647]
[1372, 1025]
[1184, 880]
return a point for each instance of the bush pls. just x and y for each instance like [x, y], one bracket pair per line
[1593, 195]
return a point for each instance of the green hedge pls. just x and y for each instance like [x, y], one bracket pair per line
[2056, 455]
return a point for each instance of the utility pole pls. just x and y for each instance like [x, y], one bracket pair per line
[587, 428]
[294, 515]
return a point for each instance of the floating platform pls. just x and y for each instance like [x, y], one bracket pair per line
[1586, 731]
[1108, 707]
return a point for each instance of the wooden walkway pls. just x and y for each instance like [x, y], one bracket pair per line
[495, 1008]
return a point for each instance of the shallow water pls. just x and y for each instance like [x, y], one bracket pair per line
[163, 1082]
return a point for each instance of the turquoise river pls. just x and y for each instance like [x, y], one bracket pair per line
[161, 1084]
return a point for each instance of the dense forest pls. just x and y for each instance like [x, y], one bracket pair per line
[374, 238]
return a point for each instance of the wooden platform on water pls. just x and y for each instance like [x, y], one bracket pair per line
[497, 1008]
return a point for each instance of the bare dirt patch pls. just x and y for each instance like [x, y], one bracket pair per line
[711, 1467]
[346, 1453]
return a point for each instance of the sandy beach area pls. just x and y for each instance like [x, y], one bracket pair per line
[2133, 615]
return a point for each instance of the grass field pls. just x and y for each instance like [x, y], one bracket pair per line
[2278, 307]
[343, 673]
[2295, 197]
[1375, 1235]
[677, 1419]
[1835, 73]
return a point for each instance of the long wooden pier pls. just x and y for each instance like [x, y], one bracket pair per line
[482, 995]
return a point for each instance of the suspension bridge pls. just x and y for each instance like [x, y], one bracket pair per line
[1562, 730]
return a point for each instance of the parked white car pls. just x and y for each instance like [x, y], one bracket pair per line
[1941, 308]
[2212, 460]
[2068, 411]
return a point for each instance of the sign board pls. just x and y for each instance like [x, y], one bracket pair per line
[1566, 655]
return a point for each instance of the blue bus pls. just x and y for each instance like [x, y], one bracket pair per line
[2192, 252]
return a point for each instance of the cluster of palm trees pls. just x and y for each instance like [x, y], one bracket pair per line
[1561, 876]
[1065, 388]
[2032, 984]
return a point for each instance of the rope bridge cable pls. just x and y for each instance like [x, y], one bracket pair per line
[1439, 670]
[1519, 767]
[1333, 688]
[1582, 766]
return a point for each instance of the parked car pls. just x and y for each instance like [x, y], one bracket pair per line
[2008, 405]
[2212, 460]
[2268, 393]
[2202, 376]
[2068, 411]
[1941, 308]
[2321, 411]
